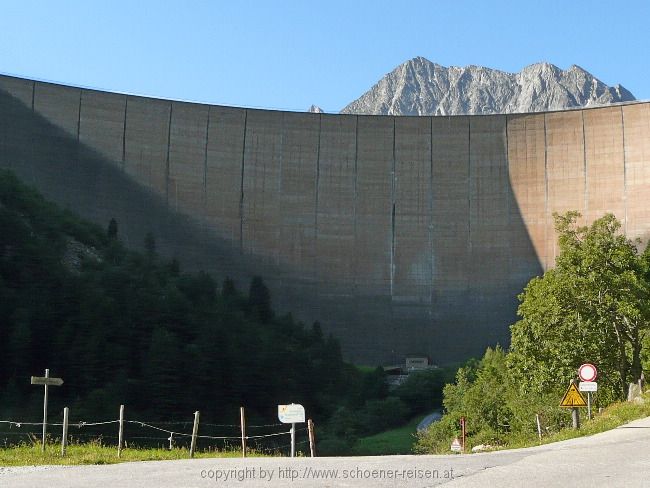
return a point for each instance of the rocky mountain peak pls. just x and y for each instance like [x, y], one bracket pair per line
[420, 87]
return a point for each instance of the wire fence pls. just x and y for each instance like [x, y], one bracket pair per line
[263, 438]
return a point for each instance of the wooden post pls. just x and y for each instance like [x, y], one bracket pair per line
[120, 434]
[539, 427]
[312, 446]
[47, 375]
[243, 431]
[463, 431]
[195, 431]
[64, 439]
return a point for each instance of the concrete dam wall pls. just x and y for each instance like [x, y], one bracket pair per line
[401, 235]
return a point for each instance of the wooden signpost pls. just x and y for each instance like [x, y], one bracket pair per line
[46, 381]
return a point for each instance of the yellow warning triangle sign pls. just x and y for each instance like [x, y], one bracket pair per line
[573, 398]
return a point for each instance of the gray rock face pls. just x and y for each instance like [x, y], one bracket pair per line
[420, 87]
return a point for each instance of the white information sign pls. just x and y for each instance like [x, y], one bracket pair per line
[588, 386]
[291, 414]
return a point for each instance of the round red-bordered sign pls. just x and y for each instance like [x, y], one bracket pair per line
[587, 372]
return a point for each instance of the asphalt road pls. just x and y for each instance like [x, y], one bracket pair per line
[618, 458]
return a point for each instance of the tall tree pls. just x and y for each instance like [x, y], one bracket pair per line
[593, 306]
[259, 300]
[150, 244]
[112, 229]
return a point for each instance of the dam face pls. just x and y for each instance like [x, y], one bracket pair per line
[401, 235]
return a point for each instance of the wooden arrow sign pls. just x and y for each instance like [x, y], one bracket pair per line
[42, 380]
[47, 382]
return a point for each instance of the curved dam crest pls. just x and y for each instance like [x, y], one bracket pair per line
[401, 235]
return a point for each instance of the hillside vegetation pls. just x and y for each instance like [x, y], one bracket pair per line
[132, 328]
[122, 327]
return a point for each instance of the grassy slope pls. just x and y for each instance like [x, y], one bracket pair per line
[401, 439]
[394, 441]
[613, 416]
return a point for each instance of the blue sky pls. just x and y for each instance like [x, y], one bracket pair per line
[291, 54]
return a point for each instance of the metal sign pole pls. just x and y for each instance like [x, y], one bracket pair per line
[64, 439]
[293, 440]
[47, 375]
[575, 413]
[589, 405]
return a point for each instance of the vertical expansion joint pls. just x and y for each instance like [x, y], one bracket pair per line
[584, 159]
[31, 131]
[546, 263]
[508, 189]
[392, 250]
[81, 94]
[316, 203]
[469, 184]
[169, 138]
[354, 203]
[205, 162]
[78, 146]
[431, 195]
[624, 172]
[126, 106]
[393, 198]
[278, 152]
[241, 185]
[315, 268]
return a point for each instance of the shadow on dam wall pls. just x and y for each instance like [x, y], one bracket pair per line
[77, 177]
[437, 248]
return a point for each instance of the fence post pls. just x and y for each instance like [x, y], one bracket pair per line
[195, 431]
[120, 435]
[64, 439]
[312, 446]
[243, 431]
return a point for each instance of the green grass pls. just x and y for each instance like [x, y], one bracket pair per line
[96, 453]
[394, 441]
[364, 368]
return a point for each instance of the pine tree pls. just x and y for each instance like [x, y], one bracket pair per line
[112, 229]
